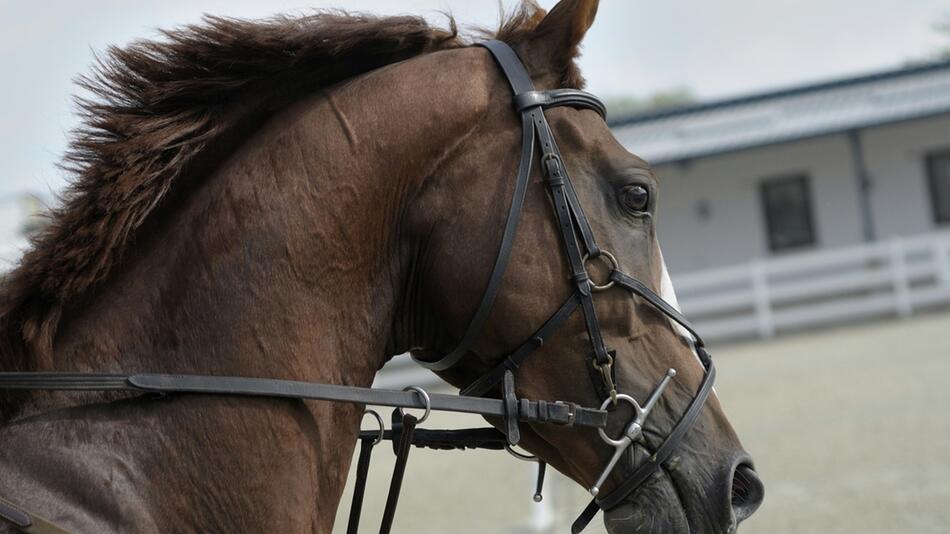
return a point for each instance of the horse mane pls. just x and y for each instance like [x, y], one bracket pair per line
[156, 106]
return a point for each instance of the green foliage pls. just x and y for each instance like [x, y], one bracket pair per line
[619, 106]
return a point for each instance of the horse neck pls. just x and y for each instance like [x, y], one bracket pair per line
[292, 259]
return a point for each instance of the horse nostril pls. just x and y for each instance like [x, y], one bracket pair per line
[747, 492]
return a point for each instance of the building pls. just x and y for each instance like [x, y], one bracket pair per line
[814, 167]
[838, 192]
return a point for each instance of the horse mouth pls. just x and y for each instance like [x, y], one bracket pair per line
[671, 503]
[653, 509]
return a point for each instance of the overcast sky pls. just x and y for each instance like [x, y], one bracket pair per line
[715, 48]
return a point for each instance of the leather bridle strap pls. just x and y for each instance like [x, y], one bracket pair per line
[514, 361]
[406, 425]
[530, 104]
[26, 521]
[527, 410]
[635, 286]
[359, 487]
[520, 82]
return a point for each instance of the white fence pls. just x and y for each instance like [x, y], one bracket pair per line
[897, 277]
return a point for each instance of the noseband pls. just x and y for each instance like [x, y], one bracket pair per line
[580, 248]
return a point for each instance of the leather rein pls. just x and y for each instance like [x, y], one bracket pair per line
[580, 248]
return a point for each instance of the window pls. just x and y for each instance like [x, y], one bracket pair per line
[938, 170]
[788, 218]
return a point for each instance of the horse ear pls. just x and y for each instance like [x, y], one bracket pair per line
[564, 27]
[557, 36]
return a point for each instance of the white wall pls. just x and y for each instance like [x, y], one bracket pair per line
[735, 229]
[895, 155]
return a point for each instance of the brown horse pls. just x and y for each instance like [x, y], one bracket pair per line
[302, 199]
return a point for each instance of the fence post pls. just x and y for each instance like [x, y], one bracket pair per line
[760, 297]
[900, 279]
[940, 251]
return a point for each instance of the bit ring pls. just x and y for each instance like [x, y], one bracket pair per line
[639, 417]
[521, 456]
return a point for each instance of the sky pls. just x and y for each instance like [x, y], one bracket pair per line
[635, 48]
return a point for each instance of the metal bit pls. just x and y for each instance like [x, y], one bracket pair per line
[634, 430]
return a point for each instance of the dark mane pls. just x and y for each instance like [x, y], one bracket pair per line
[156, 106]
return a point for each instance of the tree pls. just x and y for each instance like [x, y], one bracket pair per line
[659, 101]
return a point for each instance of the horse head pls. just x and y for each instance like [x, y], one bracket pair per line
[590, 218]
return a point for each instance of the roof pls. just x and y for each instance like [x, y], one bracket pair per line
[790, 114]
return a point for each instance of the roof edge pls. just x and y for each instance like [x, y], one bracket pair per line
[838, 83]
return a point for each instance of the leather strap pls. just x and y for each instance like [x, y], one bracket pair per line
[402, 446]
[560, 97]
[26, 521]
[359, 489]
[445, 440]
[632, 284]
[483, 311]
[530, 104]
[490, 379]
[511, 409]
[556, 413]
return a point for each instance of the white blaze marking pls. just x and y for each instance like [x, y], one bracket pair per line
[668, 293]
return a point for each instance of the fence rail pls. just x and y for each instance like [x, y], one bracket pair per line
[898, 277]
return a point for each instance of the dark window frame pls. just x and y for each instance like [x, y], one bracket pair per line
[804, 180]
[930, 159]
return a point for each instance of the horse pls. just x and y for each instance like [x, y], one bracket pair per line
[302, 198]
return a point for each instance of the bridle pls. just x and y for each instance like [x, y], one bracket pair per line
[580, 248]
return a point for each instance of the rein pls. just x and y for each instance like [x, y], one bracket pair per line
[579, 246]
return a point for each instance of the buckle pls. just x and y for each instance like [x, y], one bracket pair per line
[570, 411]
[552, 166]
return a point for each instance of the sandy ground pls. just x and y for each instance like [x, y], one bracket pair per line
[849, 429]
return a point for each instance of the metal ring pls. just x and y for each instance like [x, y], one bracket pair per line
[599, 367]
[382, 427]
[612, 263]
[425, 398]
[520, 456]
[638, 415]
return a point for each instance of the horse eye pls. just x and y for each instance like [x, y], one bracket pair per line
[635, 197]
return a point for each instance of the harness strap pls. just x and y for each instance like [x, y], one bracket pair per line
[559, 97]
[26, 521]
[520, 82]
[445, 440]
[359, 489]
[512, 362]
[402, 446]
[560, 413]
[529, 103]
[632, 284]
[566, 214]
